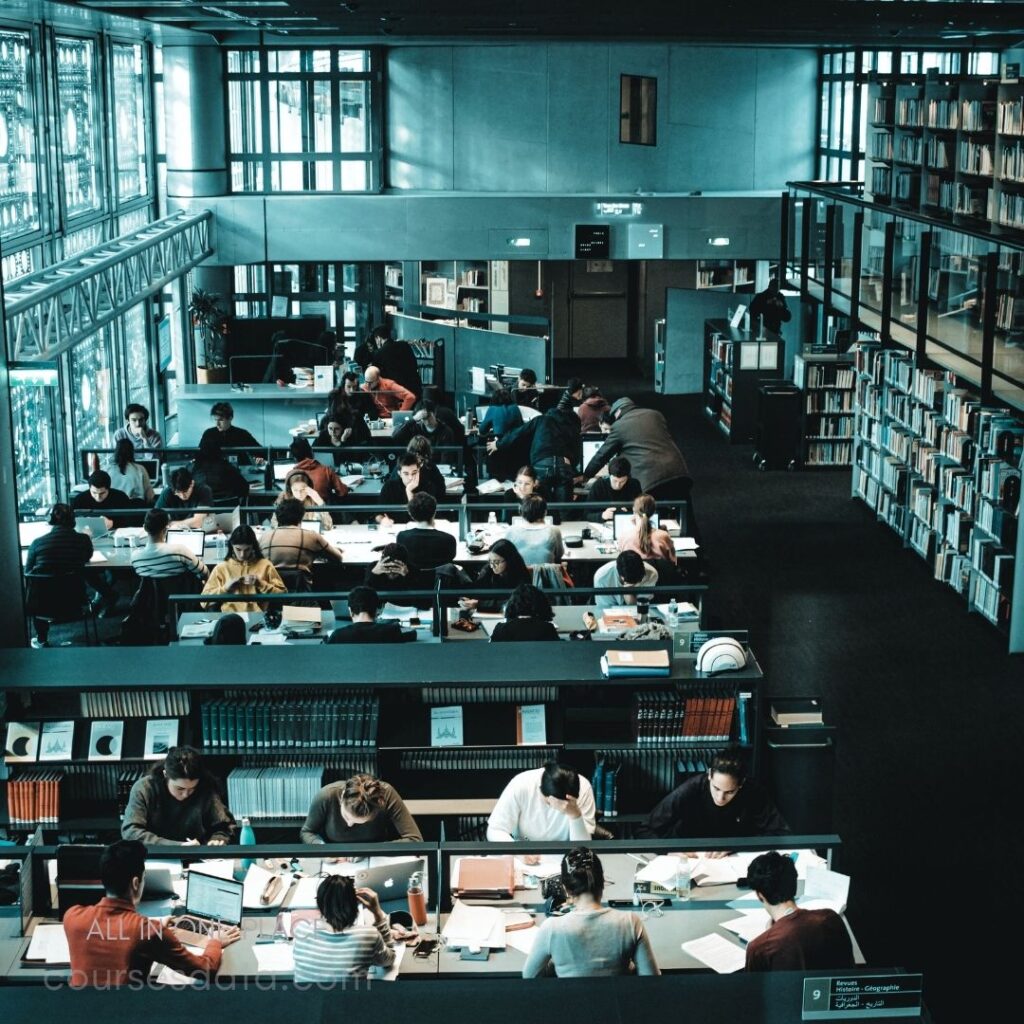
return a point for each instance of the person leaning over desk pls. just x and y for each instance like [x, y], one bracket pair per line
[337, 948]
[299, 486]
[361, 809]
[538, 543]
[552, 803]
[181, 494]
[796, 939]
[112, 945]
[719, 802]
[363, 605]
[101, 498]
[161, 560]
[177, 803]
[323, 479]
[618, 488]
[243, 571]
[505, 570]
[428, 546]
[591, 940]
[528, 616]
[649, 542]
[289, 546]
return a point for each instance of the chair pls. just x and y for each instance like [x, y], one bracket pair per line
[58, 598]
[548, 576]
[295, 580]
[146, 623]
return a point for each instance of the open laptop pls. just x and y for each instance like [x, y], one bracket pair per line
[622, 524]
[399, 418]
[96, 525]
[313, 525]
[281, 471]
[28, 532]
[227, 521]
[152, 467]
[391, 881]
[194, 540]
[590, 449]
[208, 898]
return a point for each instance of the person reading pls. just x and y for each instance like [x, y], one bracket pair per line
[797, 939]
[243, 571]
[178, 802]
[628, 571]
[618, 488]
[363, 605]
[428, 547]
[361, 809]
[112, 945]
[182, 494]
[591, 940]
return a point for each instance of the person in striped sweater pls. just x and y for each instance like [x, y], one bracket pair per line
[337, 947]
[161, 560]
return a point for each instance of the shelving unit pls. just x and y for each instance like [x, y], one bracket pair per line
[462, 286]
[314, 732]
[827, 381]
[720, 275]
[394, 292]
[736, 362]
[938, 468]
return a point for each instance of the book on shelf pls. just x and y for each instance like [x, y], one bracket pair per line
[531, 724]
[57, 741]
[446, 726]
[635, 663]
[105, 739]
[22, 742]
[161, 735]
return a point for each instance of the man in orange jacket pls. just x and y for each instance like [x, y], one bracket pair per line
[388, 395]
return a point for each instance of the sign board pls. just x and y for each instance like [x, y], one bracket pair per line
[593, 242]
[646, 241]
[862, 997]
[697, 640]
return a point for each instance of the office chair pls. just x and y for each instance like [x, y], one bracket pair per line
[60, 598]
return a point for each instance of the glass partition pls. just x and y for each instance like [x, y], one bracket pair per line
[872, 259]
[34, 411]
[906, 261]
[130, 121]
[843, 241]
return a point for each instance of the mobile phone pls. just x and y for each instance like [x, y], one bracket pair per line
[424, 948]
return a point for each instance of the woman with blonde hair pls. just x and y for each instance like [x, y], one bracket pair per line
[299, 485]
[647, 541]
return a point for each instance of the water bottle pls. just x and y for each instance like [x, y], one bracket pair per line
[417, 900]
[683, 879]
[246, 837]
[673, 614]
[492, 518]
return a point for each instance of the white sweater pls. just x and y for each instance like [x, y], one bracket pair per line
[522, 813]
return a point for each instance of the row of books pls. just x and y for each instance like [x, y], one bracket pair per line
[817, 375]
[943, 113]
[149, 703]
[829, 453]
[662, 718]
[644, 776]
[1011, 163]
[976, 158]
[480, 759]
[34, 796]
[938, 154]
[1009, 210]
[1010, 119]
[271, 724]
[978, 115]
[990, 600]
[829, 401]
[605, 785]
[881, 146]
[528, 693]
[908, 149]
[273, 792]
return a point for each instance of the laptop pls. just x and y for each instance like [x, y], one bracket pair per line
[96, 525]
[152, 467]
[157, 884]
[28, 532]
[390, 881]
[194, 540]
[281, 470]
[228, 521]
[590, 449]
[399, 418]
[622, 524]
[313, 525]
[209, 898]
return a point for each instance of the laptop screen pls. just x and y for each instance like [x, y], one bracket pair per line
[216, 899]
[313, 525]
[282, 469]
[194, 540]
[152, 467]
[590, 449]
[622, 524]
[398, 418]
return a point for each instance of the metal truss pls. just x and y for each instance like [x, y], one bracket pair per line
[48, 312]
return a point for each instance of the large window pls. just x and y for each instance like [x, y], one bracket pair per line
[19, 206]
[130, 131]
[77, 108]
[303, 120]
[844, 93]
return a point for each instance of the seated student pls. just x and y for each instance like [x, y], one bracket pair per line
[502, 415]
[288, 546]
[333, 436]
[797, 939]
[62, 550]
[101, 497]
[628, 570]
[618, 488]
[431, 479]
[428, 546]
[528, 616]
[347, 411]
[591, 409]
[224, 430]
[424, 423]
[525, 484]
[648, 542]
[178, 802]
[721, 802]
[526, 391]
[363, 605]
[388, 394]
[590, 941]
[111, 945]
[360, 401]
[538, 543]
[128, 476]
[222, 477]
[336, 948]
[324, 480]
[243, 571]
[394, 571]
[361, 809]
[541, 804]
[400, 488]
[184, 493]
[137, 429]
[160, 560]
[299, 487]
[505, 570]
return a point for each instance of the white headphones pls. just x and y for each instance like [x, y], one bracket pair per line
[721, 654]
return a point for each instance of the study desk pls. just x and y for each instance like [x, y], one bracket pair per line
[267, 411]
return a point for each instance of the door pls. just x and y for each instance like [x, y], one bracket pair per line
[598, 309]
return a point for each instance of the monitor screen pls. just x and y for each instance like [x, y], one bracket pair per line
[216, 899]
[590, 449]
[152, 467]
[282, 469]
[313, 525]
[28, 532]
[194, 540]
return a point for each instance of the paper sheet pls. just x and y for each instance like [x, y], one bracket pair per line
[274, 957]
[220, 867]
[721, 955]
[721, 870]
[477, 927]
[827, 885]
[49, 945]
[304, 894]
[176, 979]
[522, 939]
[97, 556]
[748, 926]
[391, 974]
[550, 864]
[662, 870]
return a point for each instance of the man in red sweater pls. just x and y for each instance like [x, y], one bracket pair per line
[388, 395]
[112, 945]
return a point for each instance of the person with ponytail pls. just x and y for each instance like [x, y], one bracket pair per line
[591, 940]
[647, 541]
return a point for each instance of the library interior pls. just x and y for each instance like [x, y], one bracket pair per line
[678, 347]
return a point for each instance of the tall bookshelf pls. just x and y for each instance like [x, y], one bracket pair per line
[943, 472]
[394, 294]
[827, 381]
[462, 286]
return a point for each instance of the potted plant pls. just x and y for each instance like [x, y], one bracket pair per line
[210, 328]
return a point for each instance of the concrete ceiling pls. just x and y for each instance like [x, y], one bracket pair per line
[869, 23]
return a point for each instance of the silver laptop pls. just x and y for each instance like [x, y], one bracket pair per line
[152, 467]
[214, 899]
[228, 521]
[96, 525]
[391, 881]
[282, 469]
[399, 418]
[590, 449]
[194, 540]
[313, 525]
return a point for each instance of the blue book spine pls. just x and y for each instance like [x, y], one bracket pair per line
[598, 785]
[741, 717]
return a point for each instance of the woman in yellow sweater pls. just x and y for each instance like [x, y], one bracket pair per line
[243, 571]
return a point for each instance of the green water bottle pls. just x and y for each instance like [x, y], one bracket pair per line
[246, 837]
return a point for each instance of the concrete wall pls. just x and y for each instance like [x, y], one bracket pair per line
[545, 118]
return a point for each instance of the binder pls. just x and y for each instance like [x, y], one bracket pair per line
[635, 663]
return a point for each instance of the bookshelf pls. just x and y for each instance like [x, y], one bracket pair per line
[827, 381]
[724, 275]
[943, 472]
[274, 744]
[394, 293]
[462, 286]
[736, 362]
